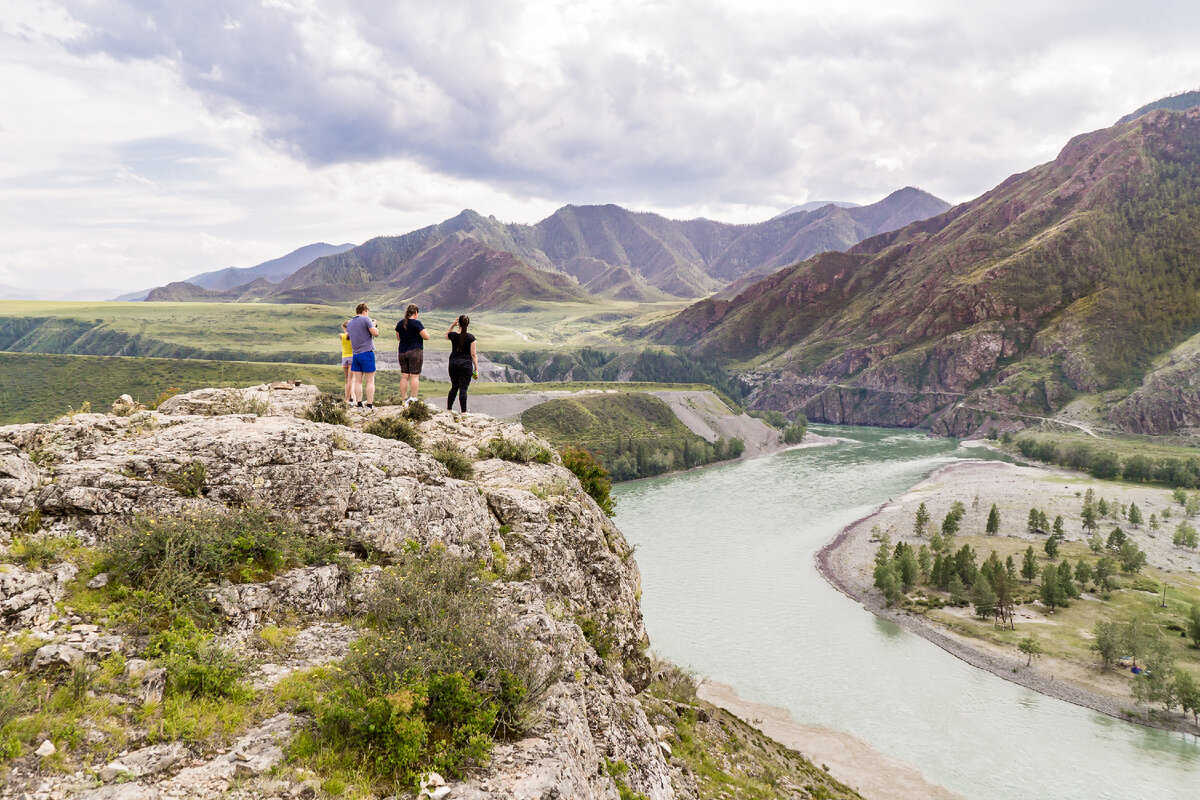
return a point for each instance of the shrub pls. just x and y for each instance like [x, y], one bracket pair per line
[440, 674]
[456, 462]
[521, 450]
[161, 565]
[237, 403]
[328, 408]
[599, 638]
[190, 480]
[196, 665]
[794, 434]
[394, 428]
[417, 411]
[592, 475]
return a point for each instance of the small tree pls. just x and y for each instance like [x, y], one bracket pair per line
[1116, 539]
[1153, 522]
[922, 520]
[592, 476]
[950, 524]
[1051, 592]
[924, 560]
[1034, 522]
[1103, 573]
[1193, 625]
[1083, 574]
[1088, 517]
[983, 597]
[1030, 647]
[1060, 529]
[1051, 546]
[1066, 581]
[1187, 692]
[1132, 558]
[1185, 535]
[1180, 496]
[1135, 515]
[1107, 641]
[1156, 684]
[1193, 505]
[958, 591]
[1095, 543]
[1010, 568]
[993, 521]
[1102, 507]
[1029, 565]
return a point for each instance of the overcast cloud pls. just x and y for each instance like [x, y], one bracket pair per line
[145, 141]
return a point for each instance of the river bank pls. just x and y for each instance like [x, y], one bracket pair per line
[873, 774]
[847, 563]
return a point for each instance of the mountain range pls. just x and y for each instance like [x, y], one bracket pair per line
[1068, 279]
[578, 253]
[217, 285]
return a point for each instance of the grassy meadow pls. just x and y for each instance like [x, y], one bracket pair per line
[297, 333]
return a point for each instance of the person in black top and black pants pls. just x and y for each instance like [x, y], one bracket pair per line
[464, 363]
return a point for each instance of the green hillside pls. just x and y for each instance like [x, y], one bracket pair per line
[634, 435]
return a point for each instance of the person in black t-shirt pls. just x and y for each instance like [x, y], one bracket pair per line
[464, 363]
[411, 335]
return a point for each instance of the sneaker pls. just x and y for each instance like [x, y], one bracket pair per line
[370, 406]
[360, 405]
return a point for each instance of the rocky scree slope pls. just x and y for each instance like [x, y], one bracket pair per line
[1067, 279]
[82, 477]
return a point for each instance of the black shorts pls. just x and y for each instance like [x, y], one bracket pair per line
[411, 361]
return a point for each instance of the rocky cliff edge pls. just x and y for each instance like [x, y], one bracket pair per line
[83, 477]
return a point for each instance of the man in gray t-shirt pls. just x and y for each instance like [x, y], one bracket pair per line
[362, 332]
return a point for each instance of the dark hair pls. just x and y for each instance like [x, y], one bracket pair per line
[463, 347]
[361, 308]
[409, 313]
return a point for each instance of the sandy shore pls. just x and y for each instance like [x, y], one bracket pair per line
[847, 563]
[874, 775]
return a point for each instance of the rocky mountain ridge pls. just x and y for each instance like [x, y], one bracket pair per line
[1064, 280]
[577, 253]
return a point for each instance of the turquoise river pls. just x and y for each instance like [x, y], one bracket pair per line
[731, 590]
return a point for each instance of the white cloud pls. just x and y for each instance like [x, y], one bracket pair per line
[136, 130]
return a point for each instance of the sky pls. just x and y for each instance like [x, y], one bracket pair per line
[144, 141]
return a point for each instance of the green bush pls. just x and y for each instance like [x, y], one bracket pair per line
[592, 475]
[521, 450]
[417, 411]
[596, 635]
[197, 666]
[190, 480]
[456, 462]
[794, 434]
[437, 678]
[394, 428]
[161, 565]
[328, 408]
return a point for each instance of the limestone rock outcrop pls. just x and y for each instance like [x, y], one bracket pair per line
[562, 561]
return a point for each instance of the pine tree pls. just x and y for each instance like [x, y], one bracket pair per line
[922, 520]
[1059, 528]
[1051, 592]
[1029, 565]
[1051, 546]
[1066, 580]
[993, 521]
[1034, 523]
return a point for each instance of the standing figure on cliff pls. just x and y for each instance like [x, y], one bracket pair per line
[411, 334]
[347, 358]
[362, 332]
[464, 363]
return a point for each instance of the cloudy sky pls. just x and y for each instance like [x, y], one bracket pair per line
[143, 141]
